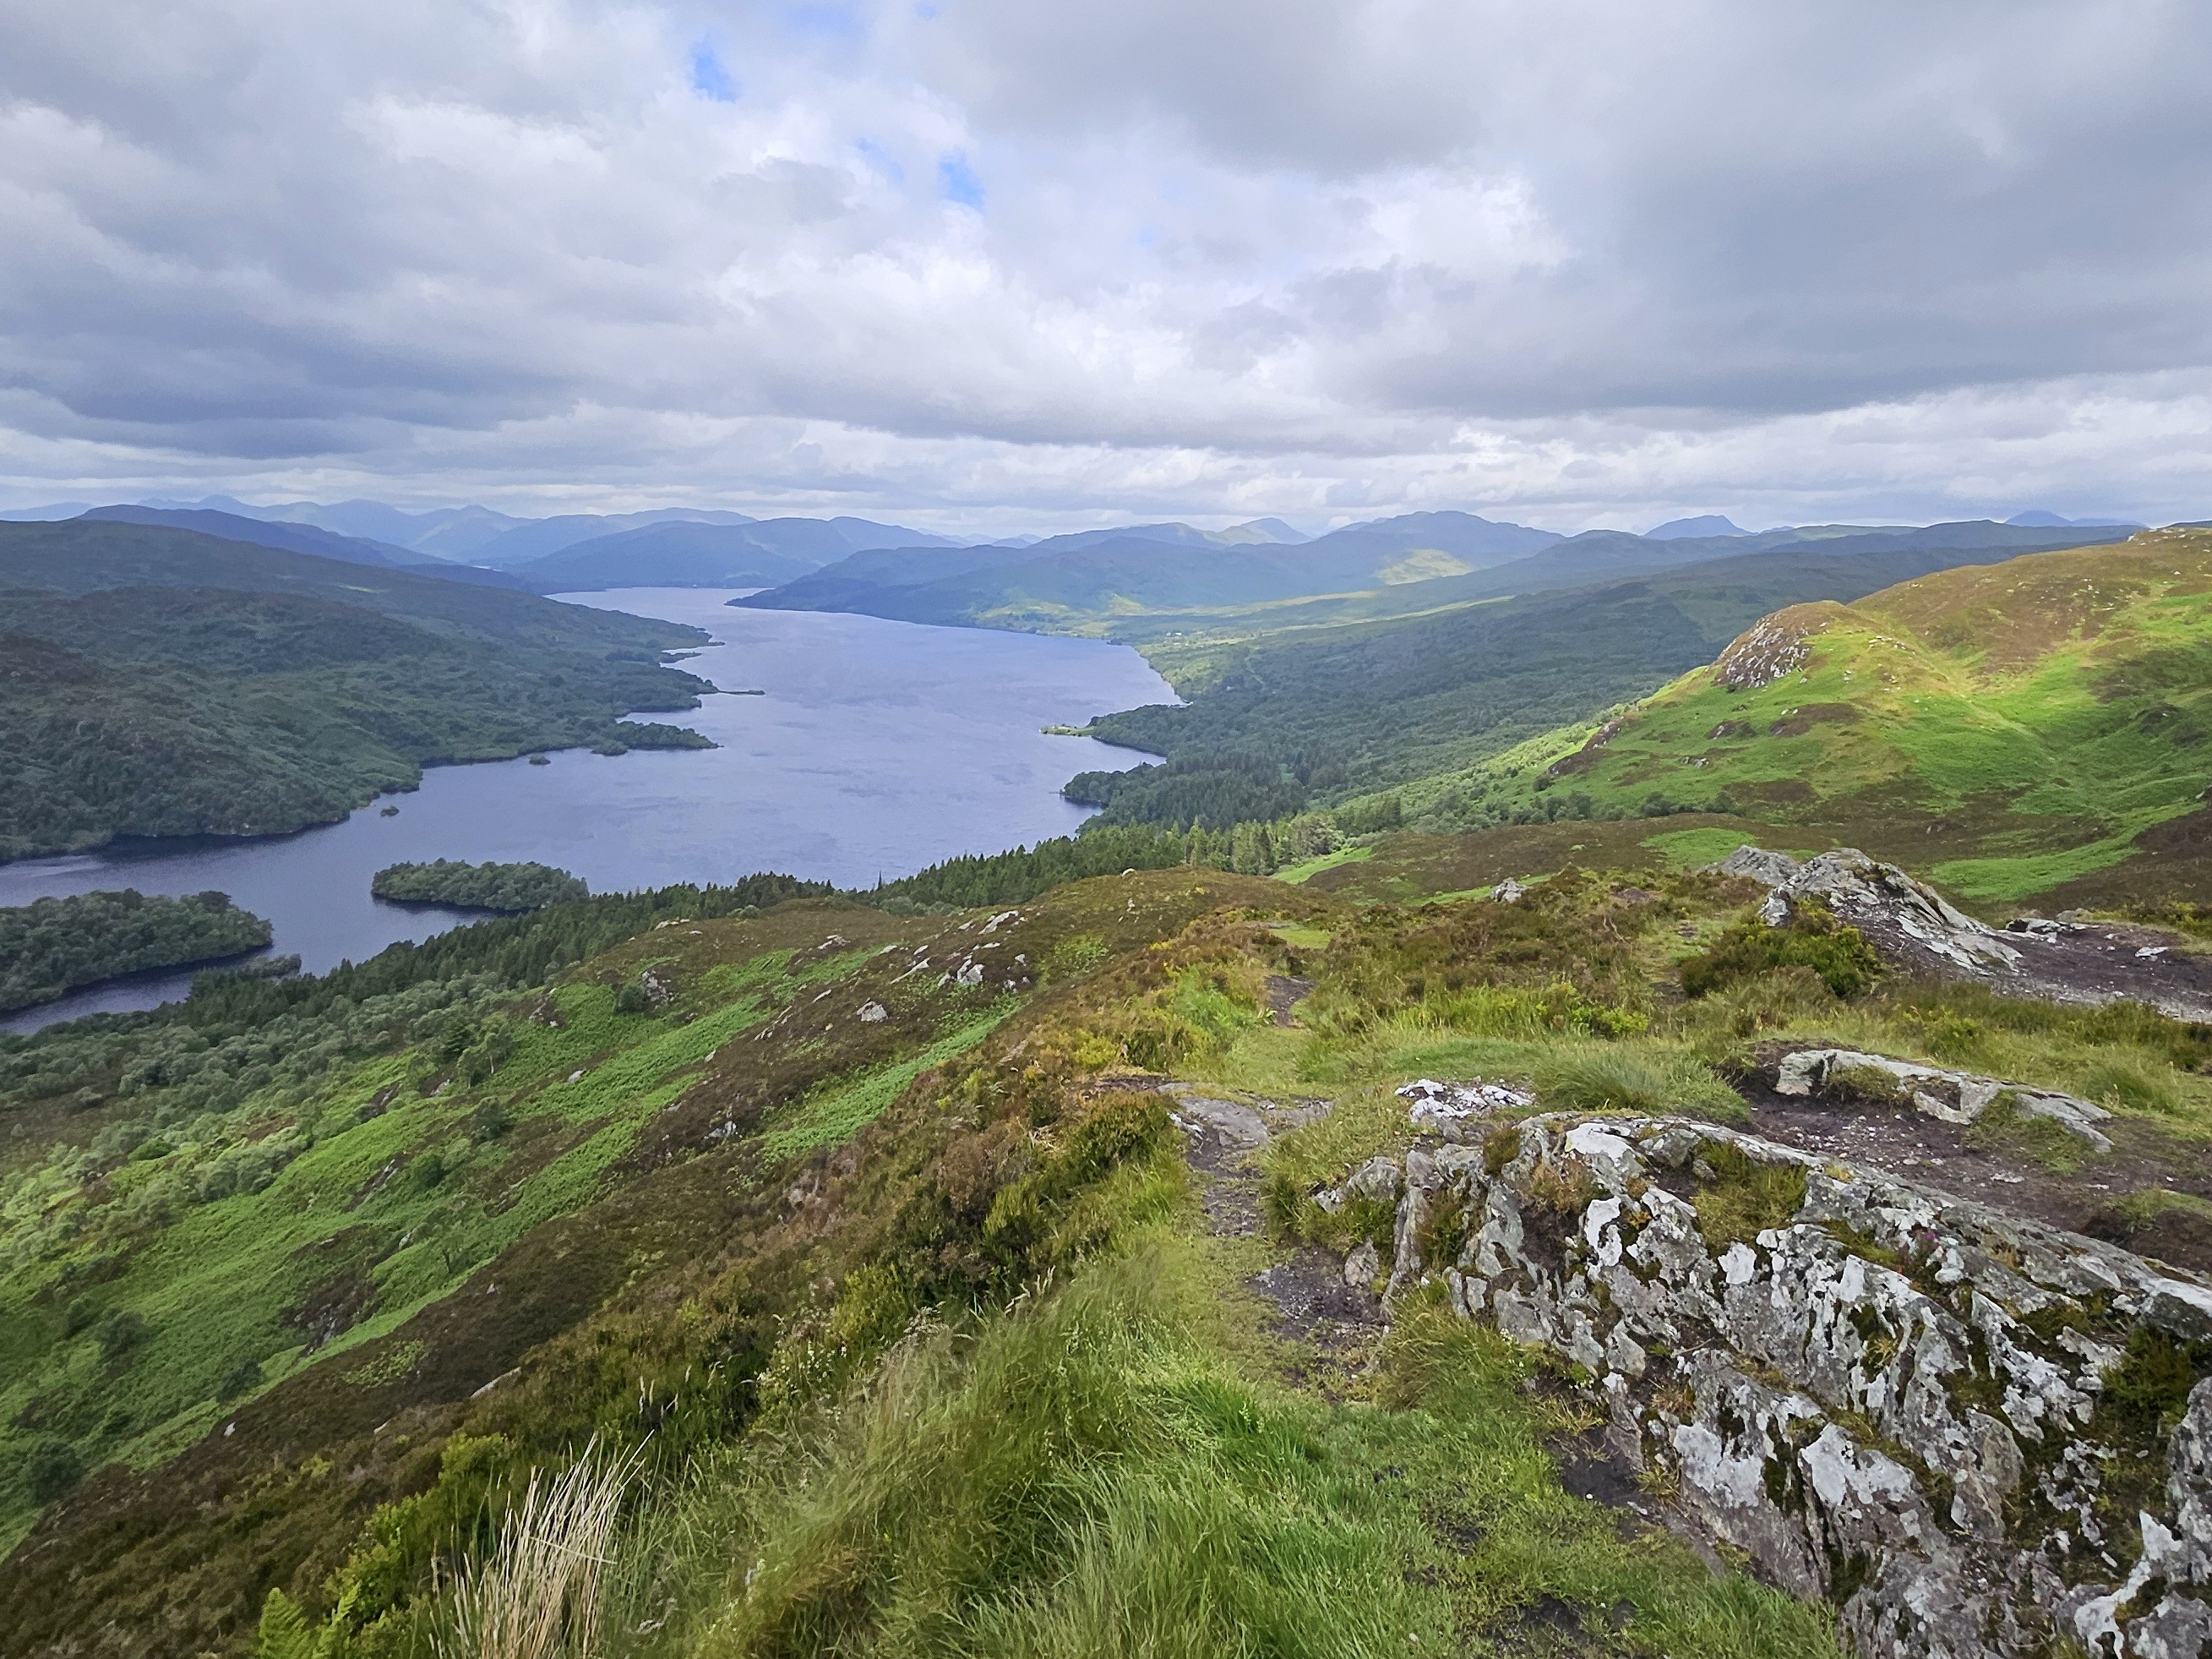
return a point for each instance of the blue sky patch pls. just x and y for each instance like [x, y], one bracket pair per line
[956, 180]
[882, 159]
[709, 78]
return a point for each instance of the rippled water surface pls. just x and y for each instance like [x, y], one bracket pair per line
[879, 748]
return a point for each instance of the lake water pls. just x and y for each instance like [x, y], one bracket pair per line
[879, 749]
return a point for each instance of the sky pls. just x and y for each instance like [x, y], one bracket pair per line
[993, 266]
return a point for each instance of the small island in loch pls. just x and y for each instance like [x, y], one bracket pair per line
[508, 888]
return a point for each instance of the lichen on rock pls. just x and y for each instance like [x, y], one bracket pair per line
[1928, 1411]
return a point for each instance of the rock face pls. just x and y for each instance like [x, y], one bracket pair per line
[1881, 900]
[1914, 927]
[1954, 1096]
[1773, 646]
[1440, 1107]
[1955, 1424]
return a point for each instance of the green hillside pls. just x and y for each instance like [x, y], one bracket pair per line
[1342, 711]
[872, 1241]
[2027, 724]
[159, 682]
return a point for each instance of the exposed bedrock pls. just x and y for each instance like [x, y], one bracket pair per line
[1915, 928]
[1974, 1434]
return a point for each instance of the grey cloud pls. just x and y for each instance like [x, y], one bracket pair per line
[1597, 258]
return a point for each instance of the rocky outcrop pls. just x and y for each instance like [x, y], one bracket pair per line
[1881, 901]
[1954, 1096]
[1956, 1425]
[1441, 1108]
[1773, 646]
[1914, 927]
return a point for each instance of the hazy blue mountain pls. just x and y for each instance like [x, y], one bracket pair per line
[262, 532]
[1263, 529]
[671, 556]
[537, 538]
[1705, 523]
[447, 532]
[2038, 517]
[1473, 542]
[51, 511]
[1133, 585]
[1158, 568]
[291, 537]
[1165, 535]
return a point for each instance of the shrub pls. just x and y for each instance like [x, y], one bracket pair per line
[52, 1469]
[119, 1334]
[242, 1378]
[1813, 938]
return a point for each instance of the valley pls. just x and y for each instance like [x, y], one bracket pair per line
[1336, 1197]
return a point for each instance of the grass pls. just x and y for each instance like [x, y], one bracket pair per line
[843, 1111]
[537, 1595]
[1692, 850]
[1651, 1078]
[1307, 869]
[2038, 873]
[1101, 1471]
[979, 1388]
[1745, 1197]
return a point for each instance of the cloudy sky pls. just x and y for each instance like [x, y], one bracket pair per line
[993, 264]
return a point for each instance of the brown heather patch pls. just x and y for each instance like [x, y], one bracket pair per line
[1798, 722]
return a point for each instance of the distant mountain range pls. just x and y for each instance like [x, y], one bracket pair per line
[1140, 583]
[1133, 581]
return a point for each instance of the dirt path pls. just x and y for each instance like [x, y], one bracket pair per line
[1332, 1329]
[1337, 1323]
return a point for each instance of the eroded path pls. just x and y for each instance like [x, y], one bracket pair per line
[1314, 1306]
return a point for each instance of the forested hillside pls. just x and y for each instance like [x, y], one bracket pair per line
[51, 945]
[156, 682]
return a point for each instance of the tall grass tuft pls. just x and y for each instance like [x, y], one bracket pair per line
[537, 1595]
[1645, 1077]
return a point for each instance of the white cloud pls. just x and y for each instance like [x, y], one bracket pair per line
[1588, 261]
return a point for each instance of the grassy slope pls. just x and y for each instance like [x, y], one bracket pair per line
[1378, 704]
[1070, 1420]
[160, 681]
[2026, 722]
[984, 1173]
